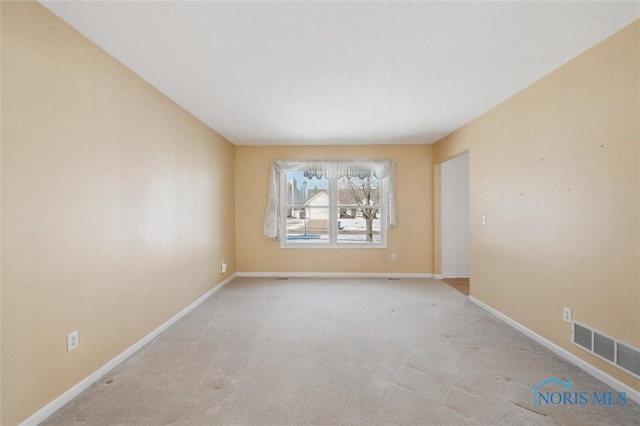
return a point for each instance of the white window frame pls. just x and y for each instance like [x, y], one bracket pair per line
[333, 207]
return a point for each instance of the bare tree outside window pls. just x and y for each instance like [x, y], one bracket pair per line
[359, 197]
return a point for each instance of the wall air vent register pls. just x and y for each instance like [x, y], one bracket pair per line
[616, 352]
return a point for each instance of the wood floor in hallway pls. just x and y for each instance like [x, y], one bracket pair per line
[460, 284]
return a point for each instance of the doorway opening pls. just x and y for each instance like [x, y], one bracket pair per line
[454, 203]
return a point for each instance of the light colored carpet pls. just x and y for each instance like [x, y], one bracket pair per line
[337, 351]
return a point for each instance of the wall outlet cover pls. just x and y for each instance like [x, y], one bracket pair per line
[72, 340]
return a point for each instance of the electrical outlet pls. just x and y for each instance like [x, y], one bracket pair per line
[484, 221]
[566, 314]
[393, 256]
[72, 341]
[223, 267]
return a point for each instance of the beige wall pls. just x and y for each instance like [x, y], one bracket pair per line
[556, 169]
[0, 213]
[412, 240]
[117, 208]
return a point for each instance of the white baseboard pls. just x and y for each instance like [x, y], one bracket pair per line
[610, 381]
[333, 275]
[456, 275]
[63, 399]
[443, 276]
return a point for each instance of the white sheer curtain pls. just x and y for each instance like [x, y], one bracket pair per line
[340, 168]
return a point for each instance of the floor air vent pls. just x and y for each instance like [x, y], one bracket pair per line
[621, 354]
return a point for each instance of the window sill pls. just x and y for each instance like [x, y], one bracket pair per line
[331, 247]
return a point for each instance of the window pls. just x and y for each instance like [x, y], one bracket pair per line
[306, 216]
[330, 203]
[359, 208]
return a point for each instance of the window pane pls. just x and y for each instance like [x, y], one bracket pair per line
[358, 225]
[308, 225]
[359, 190]
[306, 190]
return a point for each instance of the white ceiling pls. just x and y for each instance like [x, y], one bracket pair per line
[342, 72]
